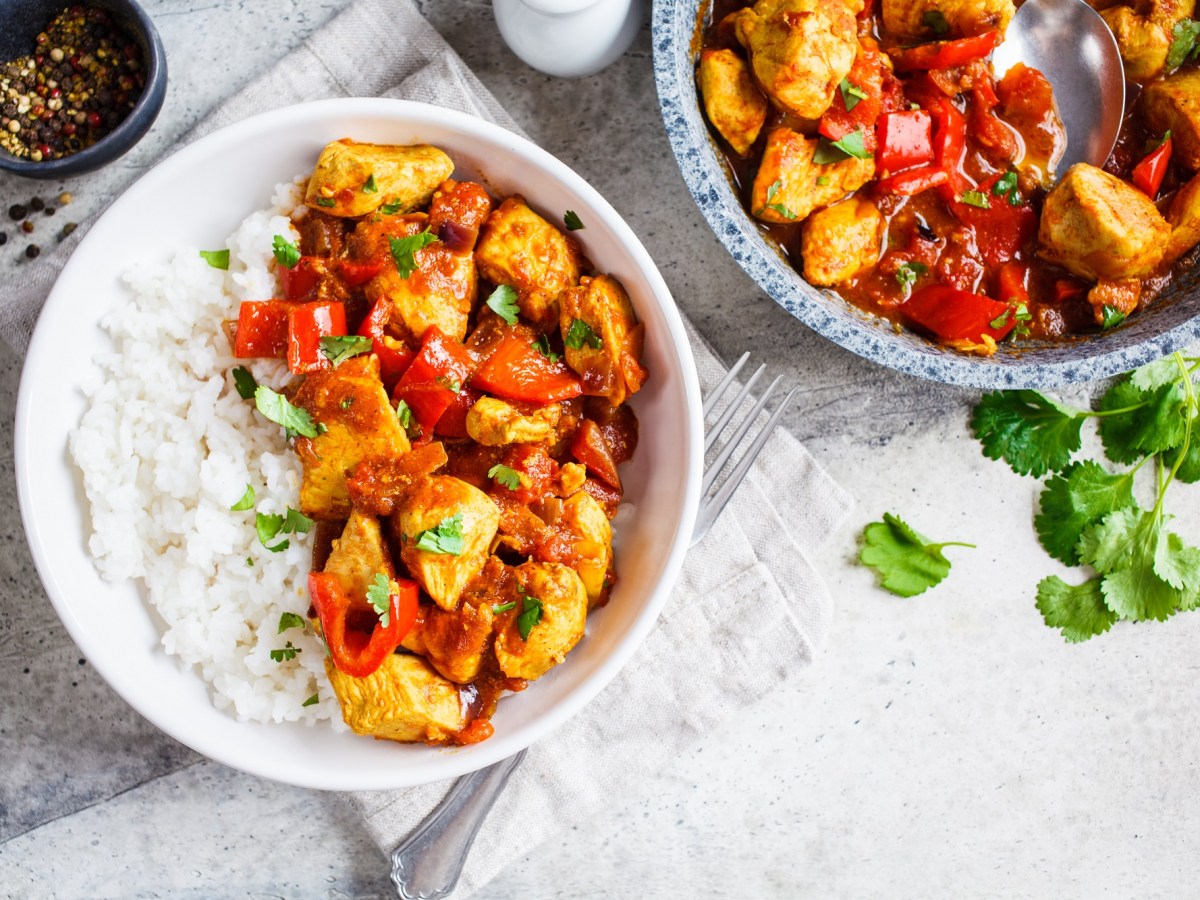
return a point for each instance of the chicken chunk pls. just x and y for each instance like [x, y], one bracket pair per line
[359, 555]
[445, 529]
[440, 290]
[518, 247]
[840, 240]
[609, 364]
[494, 423]
[589, 534]
[341, 181]
[360, 424]
[403, 700]
[1100, 227]
[1143, 44]
[735, 106]
[456, 640]
[790, 185]
[559, 593]
[800, 50]
[1173, 104]
[911, 20]
[1184, 218]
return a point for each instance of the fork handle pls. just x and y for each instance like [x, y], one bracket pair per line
[429, 861]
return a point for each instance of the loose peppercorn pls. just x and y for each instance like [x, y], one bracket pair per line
[49, 210]
[3, 238]
[81, 80]
[32, 251]
[37, 204]
[17, 212]
[27, 226]
[67, 230]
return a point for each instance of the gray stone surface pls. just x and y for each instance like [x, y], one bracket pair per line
[948, 745]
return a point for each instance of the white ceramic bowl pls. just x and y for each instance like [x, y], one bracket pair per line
[199, 196]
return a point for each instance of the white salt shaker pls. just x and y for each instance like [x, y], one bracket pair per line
[568, 38]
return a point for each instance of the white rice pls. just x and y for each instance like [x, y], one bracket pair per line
[167, 446]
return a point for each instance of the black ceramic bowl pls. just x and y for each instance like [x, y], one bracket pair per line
[1170, 323]
[20, 22]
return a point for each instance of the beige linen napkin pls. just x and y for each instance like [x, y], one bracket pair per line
[707, 658]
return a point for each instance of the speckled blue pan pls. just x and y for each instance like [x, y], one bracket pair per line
[1170, 324]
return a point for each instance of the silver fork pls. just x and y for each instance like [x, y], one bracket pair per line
[429, 861]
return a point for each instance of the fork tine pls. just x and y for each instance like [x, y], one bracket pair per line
[736, 438]
[710, 509]
[733, 407]
[711, 401]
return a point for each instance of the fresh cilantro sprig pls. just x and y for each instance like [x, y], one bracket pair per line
[446, 539]
[851, 93]
[572, 221]
[503, 302]
[1006, 186]
[337, 348]
[907, 562]
[908, 273]
[581, 333]
[1183, 43]
[286, 253]
[404, 250]
[852, 144]
[531, 614]
[287, 652]
[1090, 516]
[776, 206]
[379, 595]
[271, 525]
[505, 476]
[277, 408]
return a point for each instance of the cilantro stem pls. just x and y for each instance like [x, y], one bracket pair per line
[1100, 414]
[1190, 390]
[952, 544]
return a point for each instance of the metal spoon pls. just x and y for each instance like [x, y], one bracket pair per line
[1073, 47]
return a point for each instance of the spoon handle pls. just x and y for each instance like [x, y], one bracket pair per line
[429, 861]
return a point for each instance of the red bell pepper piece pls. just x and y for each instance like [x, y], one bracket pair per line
[1001, 229]
[945, 54]
[914, 181]
[355, 273]
[1012, 283]
[453, 423]
[307, 323]
[955, 315]
[358, 641]
[302, 280]
[394, 356]
[1148, 174]
[905, 139]
[516, 371]
[262, 329]
[436, 375]
[591, 449]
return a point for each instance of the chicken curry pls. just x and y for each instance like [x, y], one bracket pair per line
[878, 149]
[461, 417]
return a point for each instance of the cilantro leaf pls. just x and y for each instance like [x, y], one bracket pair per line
[1006, 186]
[1110, 544]
[976, 198]
[542, 346]
[1177, 564]
[276, 407]
[1189, 469]
[852, 144]
[379, 595]
[296, 522]
[1028, 430]
[1077, 609]
[1156, 374]
[851, 93]
[289, 620]
[906, 562]
[268, 526]
[935, 21]
[1183, 42]
[287, 254]
[327, 202]
[1081, 495]
[908, 273]
[1137, 423]
[447, 538]
[503, 607]
[287, 652]
[404, 415]
[777, 207]
[1112, 317]
[505, 476]
[247, 500]
[218, 259]
[337, 348]
[581, 333]
[391, 208]
[243, 382]
[404, 250]
[503, 302]
[1137, 594]
[530, 615]
[369, 185]
[572, 221]
[311, 701]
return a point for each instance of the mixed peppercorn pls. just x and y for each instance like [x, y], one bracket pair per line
[80, 82]
[23, 212]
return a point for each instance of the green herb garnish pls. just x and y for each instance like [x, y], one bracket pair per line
[337, 348]
[530, 615]
[218, 259]
[404, 250]
[290, 620]
[572, 221]
[777, 207]
[275, 406]
[503, 607]
[243, 382]
[908, 273]
[976, 198]
[391, 208]
[447, 538]
[503, 302]
[311, 701]
[505, 476]
[542, 346]
[369, 185]
[1006, 186]
[379, 595]
[581, 333]
[1112, 317]
[907, 563]
[404, 415]
[287, 652]
[935, 21]
[287, 254]
[247, 501]
[1183, 42]
[326, 202]
[852, 144]
[851, 93]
